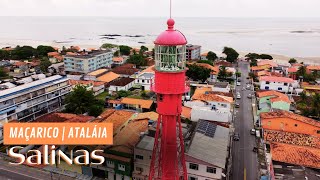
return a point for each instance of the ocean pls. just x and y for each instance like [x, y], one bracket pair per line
[293, 37]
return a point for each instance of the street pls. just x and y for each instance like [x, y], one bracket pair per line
[245, 162]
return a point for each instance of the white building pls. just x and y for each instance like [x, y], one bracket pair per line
[281, 84]
[198, 113]
[88, 62]
[144, 80]
[32, 100]
[221, 87]
[121, 84]
[193, 52]
[207, 152]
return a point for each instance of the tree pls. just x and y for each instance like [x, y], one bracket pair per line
[206, 61]
[252, 56]
[316, 104]
[253, 76]
[223, 74]
[44, 64]
[137, 59]
[292, 61]
[143, 49]
[302, 71]
[44, 50]
[108, 45]
[238, 74]
[4, 54]
[3, 73]
[198, 73]
[211, 56]
[80, 101]
[125, 50]
[303, 96]
[123, 93]
[232, 55]
[116, 54]
[266, 56]
[24, 52]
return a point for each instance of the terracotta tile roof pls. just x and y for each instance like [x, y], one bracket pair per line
[292, 70]
[263, 73]
[51, 54]
[75, 48]
[299, 155]
[223, 63]
[117, 59]
[110, 76]
[97, 72]
[307, 86]
[71, 53]
[186, 112]
[313, 67]
[114, 101]
[256, 68]
[297, 65]
[204, 54]
[276, 79]
[125, 69]
[214, 69]
[98, 83]
[117, 117]
[64, 117]
[276, 74]
[290, 115]
[149, 69]
[147, 115]
[81, 82]
[277, 96]
[199, 91]
[267, 62]
[20, 63]
[228, 94]
[291, 138]
[214, 97]
[146, 104]
[121, 81]
[129, 136]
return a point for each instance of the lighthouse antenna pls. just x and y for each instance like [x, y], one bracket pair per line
[170, 8]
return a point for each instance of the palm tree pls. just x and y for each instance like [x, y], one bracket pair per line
[316, 104]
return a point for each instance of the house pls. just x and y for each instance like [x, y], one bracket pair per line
[215, 101]
[292, 73]
[281, 84]
[144, 80]
[96, 86]
[214, 71]
[193, 52]
[108, 77]
[221, 87]
[87, 62]
[256, 69]
[206, 112]
[119, 84]
[272, 100]
[223, 63]
[271, 63]
[95, 74]
[292, 138]
[118, 60]
[313, 69]
[125, 70]
[203, 56]
[310, 89]
[207, 151]
[140, 105]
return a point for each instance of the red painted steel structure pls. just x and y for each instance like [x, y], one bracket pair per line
[168, 159]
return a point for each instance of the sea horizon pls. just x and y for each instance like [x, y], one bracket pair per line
[288, 36]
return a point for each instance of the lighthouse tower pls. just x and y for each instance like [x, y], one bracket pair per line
[168, 159]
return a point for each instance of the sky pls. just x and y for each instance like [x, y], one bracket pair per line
[160, 8]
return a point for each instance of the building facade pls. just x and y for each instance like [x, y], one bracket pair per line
[88, 62]
[32, 100]
[144, 80]
[281, 84]
[193, 52]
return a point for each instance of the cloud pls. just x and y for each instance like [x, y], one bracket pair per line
[156, 8]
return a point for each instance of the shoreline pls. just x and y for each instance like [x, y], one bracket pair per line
[279, 58]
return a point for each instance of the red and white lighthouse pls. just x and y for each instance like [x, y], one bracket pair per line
[168, 159]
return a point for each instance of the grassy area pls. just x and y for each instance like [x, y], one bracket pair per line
[102, 96]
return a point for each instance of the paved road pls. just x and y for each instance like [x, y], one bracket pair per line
[245, 162]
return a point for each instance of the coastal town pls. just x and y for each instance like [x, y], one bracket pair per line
[248, 117]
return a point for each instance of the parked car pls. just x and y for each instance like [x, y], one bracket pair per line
[249, 96]
[236, 137]
[238, 84]
[238, 96]
[237, 105]
[253, 132]
[255, 149]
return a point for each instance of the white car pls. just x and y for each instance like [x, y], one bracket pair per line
[238, 84]
[238, 96]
